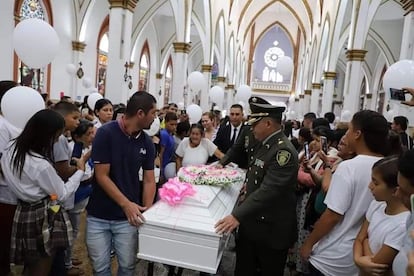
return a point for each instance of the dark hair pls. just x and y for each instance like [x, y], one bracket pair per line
[6, 86]
[401, 121]
[287, 128]
[118, 109]
[330, 116]
[394, 142]
[237, 106]
[140, 100]
[200, 127]
[170, 116]
[183, 127]
[374, 129]
[173, 104]
[388, 169]
[100, 104]
[306, 134]
[65, 108]
[324, 131]
[38, 136]
[82, 128]
[406, 165]
[310, 115]
[320, 122]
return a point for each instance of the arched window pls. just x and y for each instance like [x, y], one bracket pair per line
[27, 76]
[273, 45]
[102, 62]
[168, 81]
[144, 68]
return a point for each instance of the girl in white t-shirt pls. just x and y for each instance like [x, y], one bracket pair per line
[195, 150]
[382, 232]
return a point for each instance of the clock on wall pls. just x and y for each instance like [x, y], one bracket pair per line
[272, 55]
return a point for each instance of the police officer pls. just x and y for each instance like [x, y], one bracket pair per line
[267, 217]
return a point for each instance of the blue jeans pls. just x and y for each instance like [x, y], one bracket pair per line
[100, 234]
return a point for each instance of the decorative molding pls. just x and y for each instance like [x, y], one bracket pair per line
[78, 46]
[301, 96]
[355, 55]
[230, 86]
[182, 47]
[131, 65]
[316, 85]
[329, 75]
[308, 92]
[206, 68]
[221, 79]
[408, 6]
[124, 4]
[158, 76]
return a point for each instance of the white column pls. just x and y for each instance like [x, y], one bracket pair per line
[77, 91]
[300, 105]
[407, 43]
[307, 101]
[180, 62]
[204, 99]
[328, 91]
[353, 78]
[159, 90]
[230, 97]
[221, 81]
[316, 90]
[120, 30]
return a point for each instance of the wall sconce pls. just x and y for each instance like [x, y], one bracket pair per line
[127, 75]
[80, 72]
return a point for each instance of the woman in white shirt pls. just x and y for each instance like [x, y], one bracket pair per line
[195, 150]
[27, 166]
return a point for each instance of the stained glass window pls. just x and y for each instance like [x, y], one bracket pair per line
[168, 81]
[144, 69]
[102, 63]
[27, 76]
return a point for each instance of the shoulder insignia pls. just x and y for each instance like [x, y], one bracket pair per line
[283, 157]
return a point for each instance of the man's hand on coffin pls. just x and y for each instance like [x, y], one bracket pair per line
[226, 225]
[133, 213]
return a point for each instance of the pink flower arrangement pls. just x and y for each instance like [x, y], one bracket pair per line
[174, 191]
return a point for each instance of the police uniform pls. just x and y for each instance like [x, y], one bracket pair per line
[267, 216]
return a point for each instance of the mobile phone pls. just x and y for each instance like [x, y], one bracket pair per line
[397, 94]
[77, 152]
[183, 112]
[84, 112]
[324, 144]
[307, 152]
[412, 203]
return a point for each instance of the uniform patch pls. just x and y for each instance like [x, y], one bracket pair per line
[246, 141]
[283, 157]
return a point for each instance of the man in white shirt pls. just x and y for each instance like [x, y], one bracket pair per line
[329, 246]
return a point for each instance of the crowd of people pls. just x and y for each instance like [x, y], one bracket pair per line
[320, 197]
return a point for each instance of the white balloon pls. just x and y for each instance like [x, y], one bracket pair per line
[154, 128]
[35, 42]
[196, 81]
[285, 66]
[71, 69]
[194, 113]
[93, 90]
[20, 103]
[244, 92]
[399, 75]
[180, 105]
[346, 116]
[86, 82]
[92, 99]
[170, 170]
[217, 94]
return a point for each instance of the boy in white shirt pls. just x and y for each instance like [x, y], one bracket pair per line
[329, 246]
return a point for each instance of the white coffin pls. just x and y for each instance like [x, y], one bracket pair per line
[184, 235]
